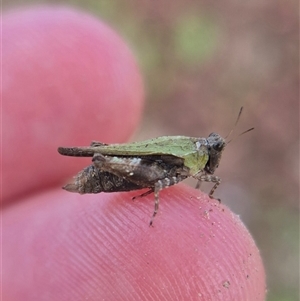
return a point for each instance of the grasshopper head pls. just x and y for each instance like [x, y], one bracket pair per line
[216, 145]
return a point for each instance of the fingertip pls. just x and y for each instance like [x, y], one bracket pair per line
[194, 246]
[68, 79]
[203, 240]
[231, 261]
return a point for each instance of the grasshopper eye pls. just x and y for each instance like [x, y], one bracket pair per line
[218, 146]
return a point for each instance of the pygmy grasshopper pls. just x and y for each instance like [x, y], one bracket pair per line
[155, 164]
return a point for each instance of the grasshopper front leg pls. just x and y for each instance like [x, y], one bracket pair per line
[208, 178]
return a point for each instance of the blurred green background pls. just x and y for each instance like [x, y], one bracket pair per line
[201, 61]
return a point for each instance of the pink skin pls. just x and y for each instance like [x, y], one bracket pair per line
[62, 246]
[67, 79]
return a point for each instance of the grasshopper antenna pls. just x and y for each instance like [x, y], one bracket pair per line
[249, 130]
[232, 130]
[236, 122]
